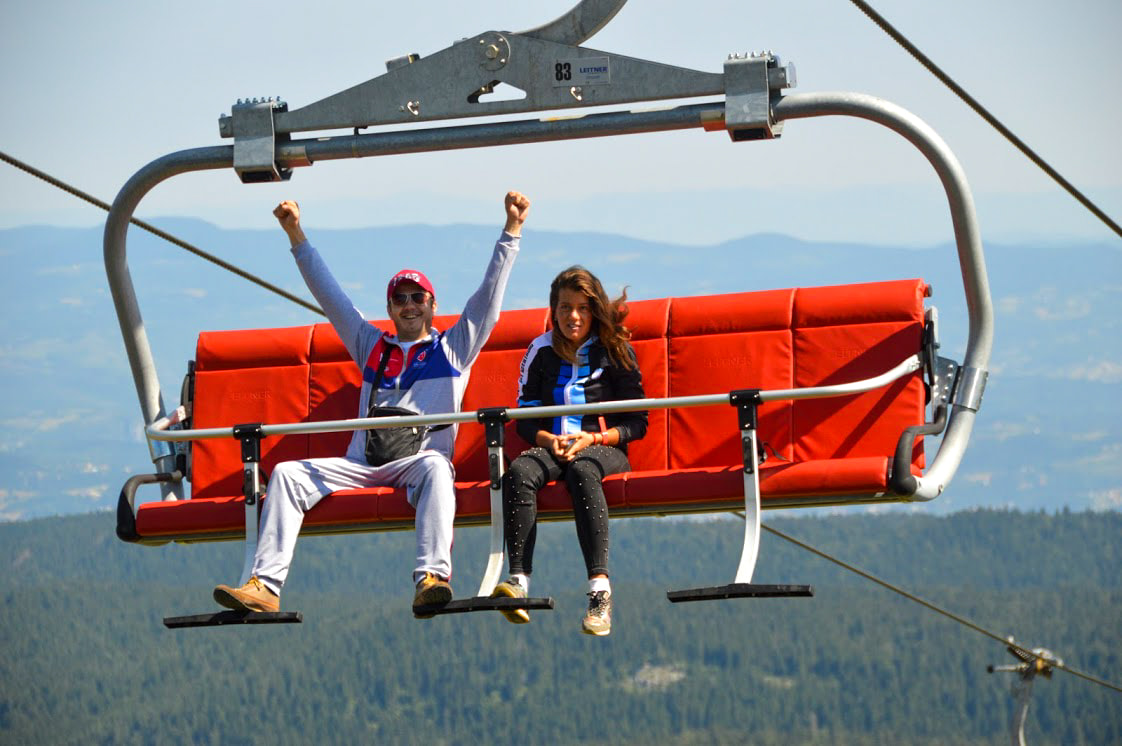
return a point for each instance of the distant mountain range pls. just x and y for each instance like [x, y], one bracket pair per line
[1048, 434]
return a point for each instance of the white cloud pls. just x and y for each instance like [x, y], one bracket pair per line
[10, 499]
[1097, 371]
[623, 258]
[1030, 478]
[36, 349]
[90, 493]
[984, 478]
[67, 269]
[1065, 310]
[54, 423]
[195, 292]
[1109, 453]
[1090, 437]
[1009, 305]
[39, 423]
[1107, 499]
[75, 302]
[1002, 431]
[551, 258]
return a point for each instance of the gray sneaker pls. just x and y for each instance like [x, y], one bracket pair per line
[512, 589]
[598, 620]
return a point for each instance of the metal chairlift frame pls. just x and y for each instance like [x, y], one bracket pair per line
[552, 69]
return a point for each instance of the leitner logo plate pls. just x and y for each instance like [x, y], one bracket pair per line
[582, 71]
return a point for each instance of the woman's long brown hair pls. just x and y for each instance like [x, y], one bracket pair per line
[607, 316]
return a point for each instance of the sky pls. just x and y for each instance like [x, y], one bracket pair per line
[94, 91]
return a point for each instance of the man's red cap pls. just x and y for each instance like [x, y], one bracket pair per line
[411, 275]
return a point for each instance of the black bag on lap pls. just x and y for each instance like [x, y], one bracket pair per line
[387, 444]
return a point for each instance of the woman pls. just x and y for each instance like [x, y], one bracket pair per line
[585, 358]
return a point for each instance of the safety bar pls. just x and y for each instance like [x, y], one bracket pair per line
[905, 367]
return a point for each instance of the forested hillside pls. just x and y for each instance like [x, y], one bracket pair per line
[84, 657]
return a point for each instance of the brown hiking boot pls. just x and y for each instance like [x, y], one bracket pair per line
[512, 589]
[253, 596]
[432, 590]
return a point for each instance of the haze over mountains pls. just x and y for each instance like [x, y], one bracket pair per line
[1048, 433]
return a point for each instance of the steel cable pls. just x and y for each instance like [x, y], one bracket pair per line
[993, 121]
[162, 234]
[927, 604]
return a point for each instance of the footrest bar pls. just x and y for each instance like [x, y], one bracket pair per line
[221, 618]
[739, 590]
[484, 603]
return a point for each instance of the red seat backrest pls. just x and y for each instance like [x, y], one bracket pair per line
[783, 339]
[259, 375]
[494, 383]
[647, 321]
[847, 333]
[777, 339]
[718, 344]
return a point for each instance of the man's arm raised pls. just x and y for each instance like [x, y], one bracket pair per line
[467, 337]
[517, 208]
[288, 215]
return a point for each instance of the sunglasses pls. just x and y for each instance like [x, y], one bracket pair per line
[400, 299]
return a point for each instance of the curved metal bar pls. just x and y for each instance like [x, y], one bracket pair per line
[578, 25]
[971, 259]
[124, 294]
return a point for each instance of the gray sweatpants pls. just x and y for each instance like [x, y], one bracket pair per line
[296, 486]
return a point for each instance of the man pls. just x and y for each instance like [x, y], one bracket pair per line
[425, 371]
